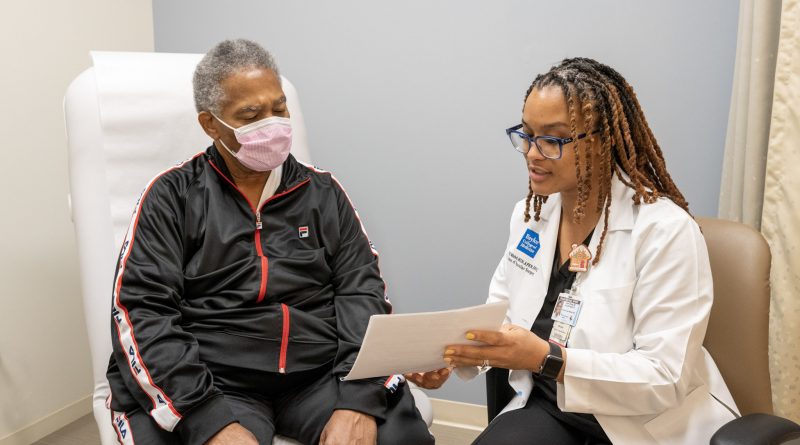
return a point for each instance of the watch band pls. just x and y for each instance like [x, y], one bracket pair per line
[552, 363]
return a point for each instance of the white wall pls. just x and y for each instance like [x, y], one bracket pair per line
[45, 368]
[407, 102]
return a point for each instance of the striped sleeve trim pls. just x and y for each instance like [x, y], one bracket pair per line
[163, 410]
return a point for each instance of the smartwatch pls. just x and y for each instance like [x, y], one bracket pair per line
[552, 363]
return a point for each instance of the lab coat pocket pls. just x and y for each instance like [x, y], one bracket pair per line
[611, 295]
[694, 421]
[605, 322]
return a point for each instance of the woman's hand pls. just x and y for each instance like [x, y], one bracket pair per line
[512, 347]
[429, 380]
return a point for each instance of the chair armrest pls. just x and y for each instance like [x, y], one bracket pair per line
[756, 429]
[423, 403]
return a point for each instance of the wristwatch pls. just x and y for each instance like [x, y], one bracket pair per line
[552, 363]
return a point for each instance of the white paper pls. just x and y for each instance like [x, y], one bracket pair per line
[401, 343]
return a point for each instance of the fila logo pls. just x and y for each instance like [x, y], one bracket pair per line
[302, 231]
[121, 426]
[132, 359]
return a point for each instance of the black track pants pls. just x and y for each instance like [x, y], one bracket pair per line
[299, 411]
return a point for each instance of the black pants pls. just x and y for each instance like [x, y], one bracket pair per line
[293, 405]
[529, 425]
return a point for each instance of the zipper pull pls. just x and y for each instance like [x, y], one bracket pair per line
[258, 221]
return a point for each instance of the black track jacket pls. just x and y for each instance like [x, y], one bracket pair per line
[205, 277]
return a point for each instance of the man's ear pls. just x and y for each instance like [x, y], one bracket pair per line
[207, 121]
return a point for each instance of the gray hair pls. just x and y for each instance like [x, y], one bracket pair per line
[224, 59]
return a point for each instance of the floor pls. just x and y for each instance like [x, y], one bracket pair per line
[84, 432]
[80, 432]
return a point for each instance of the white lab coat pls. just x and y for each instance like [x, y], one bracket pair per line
[635, 358]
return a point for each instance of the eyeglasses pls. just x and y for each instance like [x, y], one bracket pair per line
[550, 147]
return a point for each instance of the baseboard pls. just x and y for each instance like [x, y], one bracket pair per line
[50, 423]
[456, 422]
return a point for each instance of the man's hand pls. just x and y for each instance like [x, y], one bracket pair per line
[347, 427]
[429, 380]
[233, 434]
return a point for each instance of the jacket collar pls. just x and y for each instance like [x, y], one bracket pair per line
[621, 212]
[293, 172]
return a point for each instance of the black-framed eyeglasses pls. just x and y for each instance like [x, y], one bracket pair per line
[550, 147]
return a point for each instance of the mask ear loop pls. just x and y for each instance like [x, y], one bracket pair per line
[221, 121]
[220, 139]
[226, 148]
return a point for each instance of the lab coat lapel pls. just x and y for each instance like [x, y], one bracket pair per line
[547, 228]
[620, 218]
[535, 289]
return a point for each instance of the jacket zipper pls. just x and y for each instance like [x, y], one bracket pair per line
[265, 270]
[259, 225]
[284, 340]
[262, 289]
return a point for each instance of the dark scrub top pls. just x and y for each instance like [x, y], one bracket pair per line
[544, 389]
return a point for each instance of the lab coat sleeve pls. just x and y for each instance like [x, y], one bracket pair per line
[671, 300]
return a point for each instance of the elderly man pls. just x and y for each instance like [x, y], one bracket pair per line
[244, 288]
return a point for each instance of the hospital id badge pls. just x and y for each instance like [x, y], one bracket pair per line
[560, 333]
[567, 309]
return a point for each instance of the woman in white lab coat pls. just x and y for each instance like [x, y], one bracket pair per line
[606, 238]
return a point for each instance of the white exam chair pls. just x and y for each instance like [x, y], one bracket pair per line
[128, 118]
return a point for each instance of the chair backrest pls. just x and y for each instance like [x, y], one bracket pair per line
[128, 118]
[738, 328]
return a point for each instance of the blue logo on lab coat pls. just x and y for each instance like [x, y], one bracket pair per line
[529, 244]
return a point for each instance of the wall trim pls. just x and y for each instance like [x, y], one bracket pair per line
[457, 422]
[467, 415]
[50, 423]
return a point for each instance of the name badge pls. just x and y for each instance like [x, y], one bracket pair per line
[567, 309]
[560, 333]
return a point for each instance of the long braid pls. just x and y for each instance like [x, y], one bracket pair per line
[585, 97]
[528, 204]
[658, 167]
[588, 98]
[607, 146]
[579, 211]
[627, 149]
[538, 200]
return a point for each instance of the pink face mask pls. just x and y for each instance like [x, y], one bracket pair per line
[265, 144]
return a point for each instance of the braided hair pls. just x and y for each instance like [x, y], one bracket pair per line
[607, 103]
